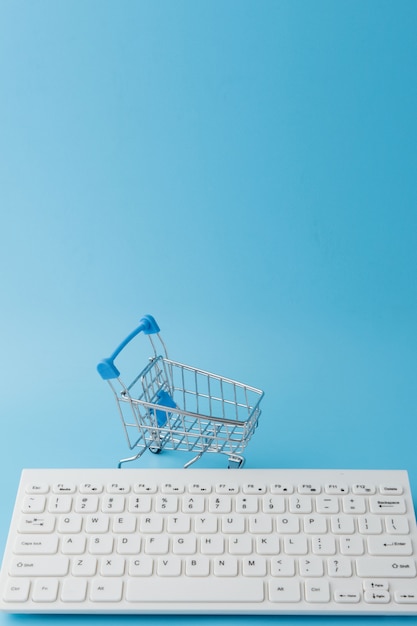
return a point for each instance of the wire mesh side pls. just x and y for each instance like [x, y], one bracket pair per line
[184, 430]
[201, 392]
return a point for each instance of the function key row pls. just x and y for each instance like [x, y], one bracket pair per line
[220, 488]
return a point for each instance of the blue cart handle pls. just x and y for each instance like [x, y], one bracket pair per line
[106, 368]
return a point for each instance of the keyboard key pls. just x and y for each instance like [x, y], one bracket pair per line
[73, 544]
[45, 590]
[377, 597]
[354, 504]
[273, 504]
[86, 504]
[36, 524]
[16, 590]
[283, 566]
[36, 544]
[195, 590]
[140, 504]
[39, 566]
[315, 524]
[406, 596]
[65, 487]
[369, 525]
[343, 525]
[198, 566]
[336, 489]
[145, 487]
[246, 504]
[397, 525]
[347, 597]
[91, 488]
[100, 544]
[84, 566]
[70, 523]
[34, 504]
[172, 488]
[233, 524]
[284, 591]
[363, 489]
[260, 524]
[227, 488]
[193, 504]
[113, 504]
[387, 490]
[212, 544]
[311, 566]
[267, 544]
[106, 590]
[37, 488]
[375, 585]
[243, 544]
[385, 567]
[296, 544]
[60, 504]
[74, 590]
[112, 566]
[282, 488]
[196, 488]
[351, 545]
[317, 591]
[169, 566]
[384, 545]
[141, 566]
[254, 566]
[339, 567]
[327, 504]
[225, 566]
[220, 504]
[300, 504]
[254, 488]
[166, 504]
[387, 505]
[288, 524]
[309, 488]
[323, 545]
[128, 544]
[117, 487]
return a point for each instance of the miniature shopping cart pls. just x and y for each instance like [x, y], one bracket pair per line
[173, 406]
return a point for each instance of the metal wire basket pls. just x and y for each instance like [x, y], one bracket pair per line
[173, 406]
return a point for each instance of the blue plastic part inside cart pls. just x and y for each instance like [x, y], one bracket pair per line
[165, 400]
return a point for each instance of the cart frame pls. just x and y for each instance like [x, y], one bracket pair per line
[173, 406]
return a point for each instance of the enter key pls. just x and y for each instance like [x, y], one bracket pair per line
[390, 545]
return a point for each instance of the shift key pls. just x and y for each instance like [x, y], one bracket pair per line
[39, 566]
[384, 567]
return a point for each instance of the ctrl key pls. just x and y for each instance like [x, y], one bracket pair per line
[16, 590]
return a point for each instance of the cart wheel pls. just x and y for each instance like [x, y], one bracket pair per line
[155, 449]
[235, 462]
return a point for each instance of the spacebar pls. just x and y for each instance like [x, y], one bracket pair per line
[195, 590]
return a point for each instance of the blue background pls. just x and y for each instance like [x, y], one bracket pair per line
[245, 172]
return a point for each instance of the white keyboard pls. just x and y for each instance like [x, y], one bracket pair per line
[211, 541]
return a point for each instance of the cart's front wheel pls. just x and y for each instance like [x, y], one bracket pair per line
[155, 449]
[235, 461]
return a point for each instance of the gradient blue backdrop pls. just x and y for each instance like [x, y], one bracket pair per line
[244, 171]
